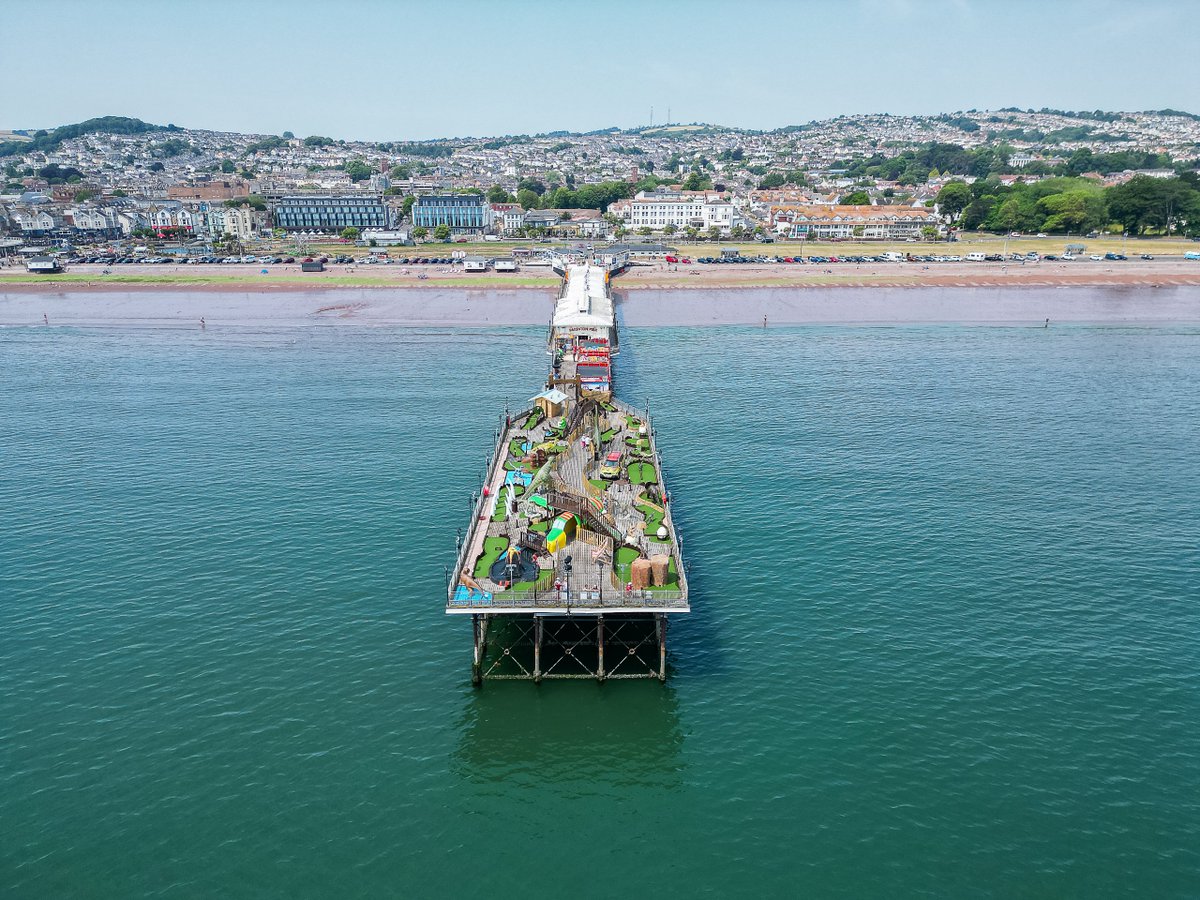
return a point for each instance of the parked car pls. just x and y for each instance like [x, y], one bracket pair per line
[1147, 256]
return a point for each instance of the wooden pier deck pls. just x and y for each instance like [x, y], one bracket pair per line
[572, 547]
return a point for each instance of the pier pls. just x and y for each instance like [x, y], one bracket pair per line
[572, 565]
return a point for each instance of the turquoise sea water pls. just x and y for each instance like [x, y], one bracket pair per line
[945, 581]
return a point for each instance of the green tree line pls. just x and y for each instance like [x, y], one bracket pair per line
[1077, 205]
[52, 140]
[914, 166]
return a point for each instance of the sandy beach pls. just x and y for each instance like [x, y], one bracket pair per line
[657, 276]
[184, 307]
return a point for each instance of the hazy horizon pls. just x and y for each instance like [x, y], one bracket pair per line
[369, 70]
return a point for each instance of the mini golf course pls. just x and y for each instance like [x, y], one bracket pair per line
[642, 473]
[493, 547]
[654, 518]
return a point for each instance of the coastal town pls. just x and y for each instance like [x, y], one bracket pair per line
[528, 448]
[137, 190]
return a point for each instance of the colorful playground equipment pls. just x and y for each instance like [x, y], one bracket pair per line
[514, 565]
[562, 530]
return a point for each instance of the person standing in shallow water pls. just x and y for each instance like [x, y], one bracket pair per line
[764, 321]
[1047, 325]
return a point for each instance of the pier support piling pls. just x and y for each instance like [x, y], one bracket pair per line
[477, 627]
[600, 648]
[661, 624]
[537, 649]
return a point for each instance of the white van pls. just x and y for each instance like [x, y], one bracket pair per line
[892, 257]
[975, 257]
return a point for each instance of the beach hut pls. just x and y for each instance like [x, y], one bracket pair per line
[552, 402]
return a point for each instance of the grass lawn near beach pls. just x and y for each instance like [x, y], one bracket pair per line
[977, 241]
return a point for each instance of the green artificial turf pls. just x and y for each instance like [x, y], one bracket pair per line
[653, 518]
[642, 473]
[492, 548]
[672, 579]
[544, 580]
[626, 555]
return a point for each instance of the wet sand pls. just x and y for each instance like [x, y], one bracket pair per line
[185, 307]
[180, 307]
[902, 305]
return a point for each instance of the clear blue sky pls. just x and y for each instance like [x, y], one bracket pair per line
[437, 68]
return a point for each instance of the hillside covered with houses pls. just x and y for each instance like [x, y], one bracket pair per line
[864, 177]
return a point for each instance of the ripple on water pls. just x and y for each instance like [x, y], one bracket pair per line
[944, 583]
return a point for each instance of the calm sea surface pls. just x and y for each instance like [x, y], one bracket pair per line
[946, 584]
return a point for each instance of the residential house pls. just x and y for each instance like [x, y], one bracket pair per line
[510, 217]
[844, 222]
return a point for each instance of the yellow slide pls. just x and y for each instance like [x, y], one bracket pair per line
[561, 531]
